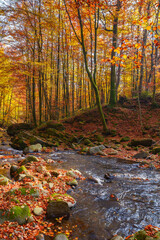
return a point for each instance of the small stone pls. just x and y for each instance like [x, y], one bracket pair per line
[38, 211]
[40, 237]
[61, 236]
[51, 185]
[35, 148]
[141, 154]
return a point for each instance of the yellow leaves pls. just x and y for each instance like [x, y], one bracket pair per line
[125, 56]
[148, 28]
[137, 45]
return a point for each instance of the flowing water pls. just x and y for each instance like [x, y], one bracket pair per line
[122, 205]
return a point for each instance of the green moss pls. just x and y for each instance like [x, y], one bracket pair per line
[125, 139]
[22, 169]
[15, 200]
[19, 214]
[87, 141]
[140, 235]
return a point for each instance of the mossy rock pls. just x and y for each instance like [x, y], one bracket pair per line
[51, 124]
[18, 143]
[98, 138]
[156, 150]
[53, 132]
[25, 191]
[87, 142]
[141, 142]
[64, 198]
[16, 128]
[19, 214]
[125, 139]
[29, 159]
[22, 169]
[3, 180]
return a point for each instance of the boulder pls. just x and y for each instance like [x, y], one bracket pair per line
[19, 214]
[56, 209]
[141, 142]
[141, 154]
[17, 127]
[65, 198]
[74, 173]
[51, 124]
[29, 159]
[61, 236]
[96, 149]
[13, 171]
[35, 148]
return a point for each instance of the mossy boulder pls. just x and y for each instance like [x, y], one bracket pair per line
[65, 198]
[141, 142]
[19, 214]
[16, 174]
[18, 143]
[29, 159]
[72, 183]
[16, 128]
[51, 124]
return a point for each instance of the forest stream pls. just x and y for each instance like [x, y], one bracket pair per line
[122, 205]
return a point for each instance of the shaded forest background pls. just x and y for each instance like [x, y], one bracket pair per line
[59, 57]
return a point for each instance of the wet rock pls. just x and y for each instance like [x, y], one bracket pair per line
[51, 185]
[16, 128]
[108, 176]
[97, 149]
[141, 142]
[3, 180]
[38, 211]
[141, 154]
[72, 183]
[117, 238]
[35, 148]
[74, 173]
[61, 236]
[92, 179]
[65, 198]
[56, 209]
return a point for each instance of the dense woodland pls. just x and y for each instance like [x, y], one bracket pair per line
[59, 57]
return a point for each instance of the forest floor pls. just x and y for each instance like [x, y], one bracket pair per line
[128, 122]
